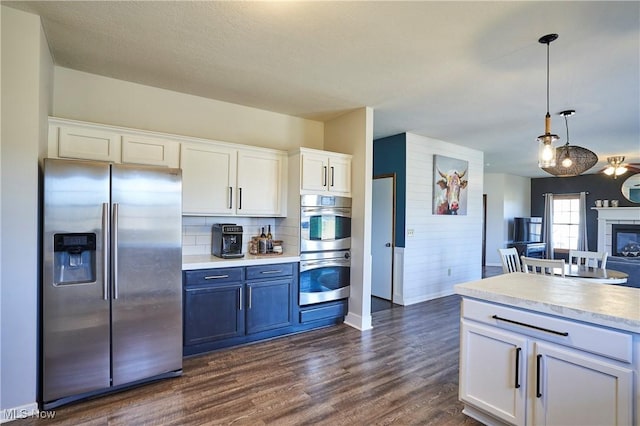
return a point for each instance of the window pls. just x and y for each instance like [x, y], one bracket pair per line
[566, 221]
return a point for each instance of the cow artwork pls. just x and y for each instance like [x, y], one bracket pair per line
[449, 192]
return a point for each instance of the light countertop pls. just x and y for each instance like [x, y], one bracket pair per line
[601, 304]
[192, 262]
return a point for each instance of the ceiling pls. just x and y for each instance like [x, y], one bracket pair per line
[469, 73]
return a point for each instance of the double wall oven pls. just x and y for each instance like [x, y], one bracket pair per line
[325, 244]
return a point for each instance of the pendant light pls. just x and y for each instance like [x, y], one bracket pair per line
[571, 160]
[546, 153]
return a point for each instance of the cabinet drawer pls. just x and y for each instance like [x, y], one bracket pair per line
[213, 276]
[601, 341]
[269, 271]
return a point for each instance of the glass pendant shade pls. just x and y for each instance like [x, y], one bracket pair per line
[615, 168]
[546, 151]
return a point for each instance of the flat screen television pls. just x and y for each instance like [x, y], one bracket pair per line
[527, 229]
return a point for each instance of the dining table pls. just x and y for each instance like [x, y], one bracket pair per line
[607, 276]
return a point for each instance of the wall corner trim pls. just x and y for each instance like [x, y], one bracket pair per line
[358, 322]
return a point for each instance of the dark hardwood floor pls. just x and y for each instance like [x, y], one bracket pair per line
[404, 371]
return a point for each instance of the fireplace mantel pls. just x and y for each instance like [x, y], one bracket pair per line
[608, 216]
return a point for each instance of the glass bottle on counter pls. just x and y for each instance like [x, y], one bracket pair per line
[269, 241]
[262, 243]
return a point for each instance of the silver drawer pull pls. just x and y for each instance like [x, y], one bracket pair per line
[270, 272]
[216, 277]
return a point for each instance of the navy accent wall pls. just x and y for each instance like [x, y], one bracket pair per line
[598, 186]
[390, 156]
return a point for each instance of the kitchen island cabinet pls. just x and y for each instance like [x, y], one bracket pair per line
[538, 350]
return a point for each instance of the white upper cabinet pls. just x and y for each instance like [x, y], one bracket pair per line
[323, 172]
[89, 141]
[261, 183]
[138, 149]
[86, 143]
[208, 179]
[220, 180]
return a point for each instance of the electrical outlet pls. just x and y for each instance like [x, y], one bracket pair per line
[449, 272]
[410, 232]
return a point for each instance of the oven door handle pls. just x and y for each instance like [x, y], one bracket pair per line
[316, 264]
[309, 211]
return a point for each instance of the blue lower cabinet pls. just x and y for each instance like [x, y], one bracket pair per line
[220, 311]
[269, 305]
[212, 313]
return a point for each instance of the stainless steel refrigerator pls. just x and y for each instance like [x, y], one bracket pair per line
[111, 278]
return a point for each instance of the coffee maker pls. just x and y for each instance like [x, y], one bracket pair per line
[226, 240]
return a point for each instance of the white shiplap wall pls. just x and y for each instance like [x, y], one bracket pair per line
[445, 250]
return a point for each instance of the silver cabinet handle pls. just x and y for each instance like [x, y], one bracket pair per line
[114, 243]
[215, 277]
[271, 272]
[249, 296]
[105, 250]
[240, 298]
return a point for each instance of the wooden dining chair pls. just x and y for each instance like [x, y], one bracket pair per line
[531, 265]
[510, 260]
[594, 259]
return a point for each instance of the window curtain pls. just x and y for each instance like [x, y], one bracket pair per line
[547, 224]
[583, 244]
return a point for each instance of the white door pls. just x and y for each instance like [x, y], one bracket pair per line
[382, 238]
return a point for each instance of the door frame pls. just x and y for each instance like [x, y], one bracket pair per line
[393, 228]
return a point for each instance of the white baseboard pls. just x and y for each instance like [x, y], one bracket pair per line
[358, 322]
[424, 298]
[21, 412]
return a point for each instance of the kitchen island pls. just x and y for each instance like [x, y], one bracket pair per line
[549, 350]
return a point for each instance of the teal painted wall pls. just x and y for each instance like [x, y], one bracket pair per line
[390, 156]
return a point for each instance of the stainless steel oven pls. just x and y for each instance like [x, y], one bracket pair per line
[324, 276]
[325, 223]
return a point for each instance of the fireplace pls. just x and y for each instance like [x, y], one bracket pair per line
[619, 216]
[625, 240]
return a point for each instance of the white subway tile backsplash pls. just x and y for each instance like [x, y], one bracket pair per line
[196, 231]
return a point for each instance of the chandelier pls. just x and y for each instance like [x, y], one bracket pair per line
[571, 160]
[546, 153]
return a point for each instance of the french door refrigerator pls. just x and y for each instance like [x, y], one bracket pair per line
[111, 278]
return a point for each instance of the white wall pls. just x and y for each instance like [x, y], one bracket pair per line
[445, 250]
[89, 97]
[26, 93]
[352, 133]
[508, 196]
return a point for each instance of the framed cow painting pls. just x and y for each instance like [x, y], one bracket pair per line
[450, 185]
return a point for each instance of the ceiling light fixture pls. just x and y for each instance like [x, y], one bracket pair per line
[546, 153]
[571, 160]
[615, 168]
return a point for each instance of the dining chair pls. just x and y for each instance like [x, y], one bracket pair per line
[531, 265]
[510, 260]
[594, 259]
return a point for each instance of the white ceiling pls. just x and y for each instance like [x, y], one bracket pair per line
[469, 73]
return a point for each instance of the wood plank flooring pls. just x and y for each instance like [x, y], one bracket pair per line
[404, 371]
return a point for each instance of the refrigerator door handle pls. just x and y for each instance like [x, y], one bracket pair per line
[105, 250]
[114, 246]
